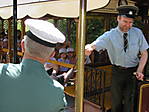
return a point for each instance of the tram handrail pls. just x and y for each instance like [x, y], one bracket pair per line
[61, 63]
[7, 50]
[50, 61]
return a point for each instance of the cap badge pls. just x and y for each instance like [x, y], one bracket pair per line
[130, 12]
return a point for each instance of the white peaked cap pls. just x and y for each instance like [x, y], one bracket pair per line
[62, 50]
[44, 32]
[70, 49]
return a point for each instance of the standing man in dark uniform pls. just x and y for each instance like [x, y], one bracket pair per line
[123, 44]
[27, 87]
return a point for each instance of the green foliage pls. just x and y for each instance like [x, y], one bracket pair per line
[51, 20]
[94, 29]
[113, 22]
[62, 26]
[0, 26]
[73, 33]
[19, 27]
[138, 23]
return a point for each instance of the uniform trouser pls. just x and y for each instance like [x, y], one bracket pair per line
[123, 88]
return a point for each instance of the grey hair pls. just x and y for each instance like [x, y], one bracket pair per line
[35, 49]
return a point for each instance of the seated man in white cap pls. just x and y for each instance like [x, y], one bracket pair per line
[26, 87]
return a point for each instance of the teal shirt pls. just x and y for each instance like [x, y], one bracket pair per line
[26, 87]
[113, 41]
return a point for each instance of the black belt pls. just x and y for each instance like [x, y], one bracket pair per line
[123, 68]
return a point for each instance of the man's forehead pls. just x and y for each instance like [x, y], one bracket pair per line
[126, 18]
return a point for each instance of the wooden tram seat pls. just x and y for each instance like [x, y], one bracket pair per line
[70, 90]
[144, 98]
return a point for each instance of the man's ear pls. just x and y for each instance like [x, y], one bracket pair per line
[22, 46]
[118, 18]
[52, 54]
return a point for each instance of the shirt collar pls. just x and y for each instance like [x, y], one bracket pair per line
[31, 62]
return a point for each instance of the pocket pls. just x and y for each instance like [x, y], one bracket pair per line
[134, 49]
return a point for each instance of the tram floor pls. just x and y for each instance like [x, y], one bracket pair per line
[89, 107]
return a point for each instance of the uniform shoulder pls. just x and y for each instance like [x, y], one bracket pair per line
[135, 29]
[113, 30]
[108, 33]
[12, 70]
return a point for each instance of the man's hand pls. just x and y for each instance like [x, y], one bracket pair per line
[88, 49]
[139, 75]
[142, 62]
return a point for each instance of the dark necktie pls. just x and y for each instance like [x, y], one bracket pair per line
[125, 41]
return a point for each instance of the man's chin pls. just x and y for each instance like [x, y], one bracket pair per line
[125, 30]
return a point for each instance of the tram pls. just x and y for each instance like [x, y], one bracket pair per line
[92, 94]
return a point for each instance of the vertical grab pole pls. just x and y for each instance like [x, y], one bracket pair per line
[80, 64]
[14, 31]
